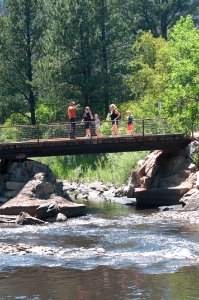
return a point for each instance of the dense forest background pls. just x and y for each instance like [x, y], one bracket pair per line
[133, 52]
[139, 54]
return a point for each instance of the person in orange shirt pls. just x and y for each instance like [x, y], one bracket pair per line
[72, 119]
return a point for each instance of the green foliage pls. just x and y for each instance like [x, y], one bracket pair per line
[21, 36]
[8, 134]
[106, 129]
[85, 53]
[53, 51]
[167, 72]
[195, 159]
[17, 118]
[160, 16]
[182, 77]
[145, 80]
[115, 168]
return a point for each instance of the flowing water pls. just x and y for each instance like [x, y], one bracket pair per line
[113, 252]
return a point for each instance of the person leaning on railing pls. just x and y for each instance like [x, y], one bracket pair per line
[72, 119]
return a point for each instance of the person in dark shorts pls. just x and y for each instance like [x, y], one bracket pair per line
[72, 119]
[87, 119]
[115, 116]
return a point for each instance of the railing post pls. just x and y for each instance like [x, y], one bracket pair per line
[143, 131]
[38, 133]
[192, 129]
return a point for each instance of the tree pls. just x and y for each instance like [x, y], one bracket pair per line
[168, 72]
[114, 45]
[159, 16]
[145, 81]
[180, 68]
[87, 52]
[20, 48]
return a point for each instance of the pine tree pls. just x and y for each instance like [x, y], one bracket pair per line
[159, 16]
[20, 49]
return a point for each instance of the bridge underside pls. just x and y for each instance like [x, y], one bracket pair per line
[57, 147]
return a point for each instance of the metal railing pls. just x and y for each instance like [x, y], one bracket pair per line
[21, 133]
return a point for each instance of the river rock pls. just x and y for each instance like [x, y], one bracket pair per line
[94, 195]
[26, 219]
[47, 210]
[34, 195]
[197, 179]
[135, 179]
[192, 167]
[58, 218]
[98, 186]
[170, 208]
[164, 174]
[4, 219]
[159, 197]
[14, 175]
[131, 191]
[192, 148]
[190, 201]
[145, 182]
[61, 218]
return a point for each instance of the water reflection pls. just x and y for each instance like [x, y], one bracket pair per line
[99, 284]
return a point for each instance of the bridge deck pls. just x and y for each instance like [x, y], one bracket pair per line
[65, 146]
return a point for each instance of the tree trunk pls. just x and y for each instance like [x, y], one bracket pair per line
[104, 57]
[164, 26]
[32, 102]
[85, 63]
[31, 95]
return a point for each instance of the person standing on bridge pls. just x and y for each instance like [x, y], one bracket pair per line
[72, 119]
[87, 119]
[97, 125]
[130, 126]
[115, 117]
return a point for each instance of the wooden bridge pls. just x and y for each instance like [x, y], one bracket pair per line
[20, 142]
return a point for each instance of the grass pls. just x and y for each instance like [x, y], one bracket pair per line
[109, 168]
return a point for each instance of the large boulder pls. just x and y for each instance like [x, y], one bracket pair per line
[36, 193]
[14, 175]
[164, 177]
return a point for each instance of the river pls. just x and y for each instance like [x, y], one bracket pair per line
[136, 257]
